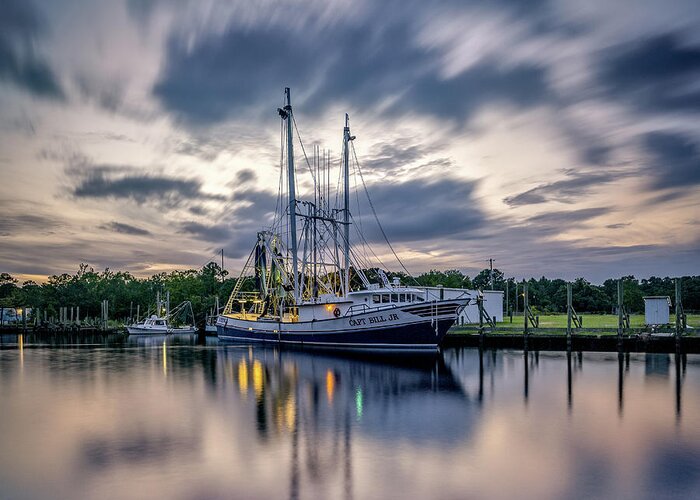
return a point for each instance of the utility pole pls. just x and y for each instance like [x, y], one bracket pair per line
[491, 272]
[222, 264]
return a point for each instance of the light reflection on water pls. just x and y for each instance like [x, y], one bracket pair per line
[164, 417]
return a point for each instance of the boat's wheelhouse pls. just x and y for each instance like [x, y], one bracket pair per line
[155, 323]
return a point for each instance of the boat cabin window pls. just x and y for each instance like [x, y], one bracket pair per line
[385, 298]
[159, 322]
[394, 297]
[376, 299]
[402, 297]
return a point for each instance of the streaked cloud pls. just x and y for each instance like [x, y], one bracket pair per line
[21, 27]
[654, 74]
[539, 131]
[675, 160]
[138, 185]
[120, 227]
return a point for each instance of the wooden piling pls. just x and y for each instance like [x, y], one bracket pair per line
[525, 306]
[679, 310]
[569, 308]
[620, 325]
[480, 307]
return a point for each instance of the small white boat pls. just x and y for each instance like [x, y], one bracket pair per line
[157, 326]
[161, 325]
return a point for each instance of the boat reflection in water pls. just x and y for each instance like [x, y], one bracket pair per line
[410, 396]
[326, 402]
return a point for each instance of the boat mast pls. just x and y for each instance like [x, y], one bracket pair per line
[292, 195]
[346, 196]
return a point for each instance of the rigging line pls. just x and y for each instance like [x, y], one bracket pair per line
[340, 176]
[371, 205]
[294, 120]
[368, 246]
[280, 188]
[359, 227]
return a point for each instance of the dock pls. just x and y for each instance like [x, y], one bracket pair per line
[651, 343]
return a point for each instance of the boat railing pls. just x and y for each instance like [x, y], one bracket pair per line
[362, 308]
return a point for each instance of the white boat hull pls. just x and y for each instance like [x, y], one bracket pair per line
[138, 330]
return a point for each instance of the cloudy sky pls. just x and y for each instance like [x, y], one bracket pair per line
[558, 137]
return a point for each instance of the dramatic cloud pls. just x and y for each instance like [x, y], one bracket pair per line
[424, 210]
[119, 182]
[120, 227]
[13, 224]
[619, 225]
[536, 131]
[655, 74]
[568, 190]
[216, 233]
[459, 97]
[389, 157]
[556, 220]
[20, 27]
[237, 223]
[210, 81]
[675, 160]
[244, 176]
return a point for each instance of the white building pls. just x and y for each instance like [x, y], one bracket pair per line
[656, 310]
[493, 302]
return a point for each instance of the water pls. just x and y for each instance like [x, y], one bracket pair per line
[165, 418]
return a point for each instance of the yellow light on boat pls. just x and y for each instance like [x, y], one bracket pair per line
[329, 307]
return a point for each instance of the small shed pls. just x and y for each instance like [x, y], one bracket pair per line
[656, 310]
[493, 305]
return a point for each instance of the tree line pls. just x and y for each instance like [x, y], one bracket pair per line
[87, 288]
[549, 295]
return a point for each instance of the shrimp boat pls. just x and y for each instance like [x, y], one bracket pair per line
[307, 285]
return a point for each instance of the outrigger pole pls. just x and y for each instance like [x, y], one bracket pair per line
[286, 113]
[346, 196]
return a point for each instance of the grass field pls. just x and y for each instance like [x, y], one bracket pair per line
[590, 321]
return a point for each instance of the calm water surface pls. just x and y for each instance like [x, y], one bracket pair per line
[166, 418]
